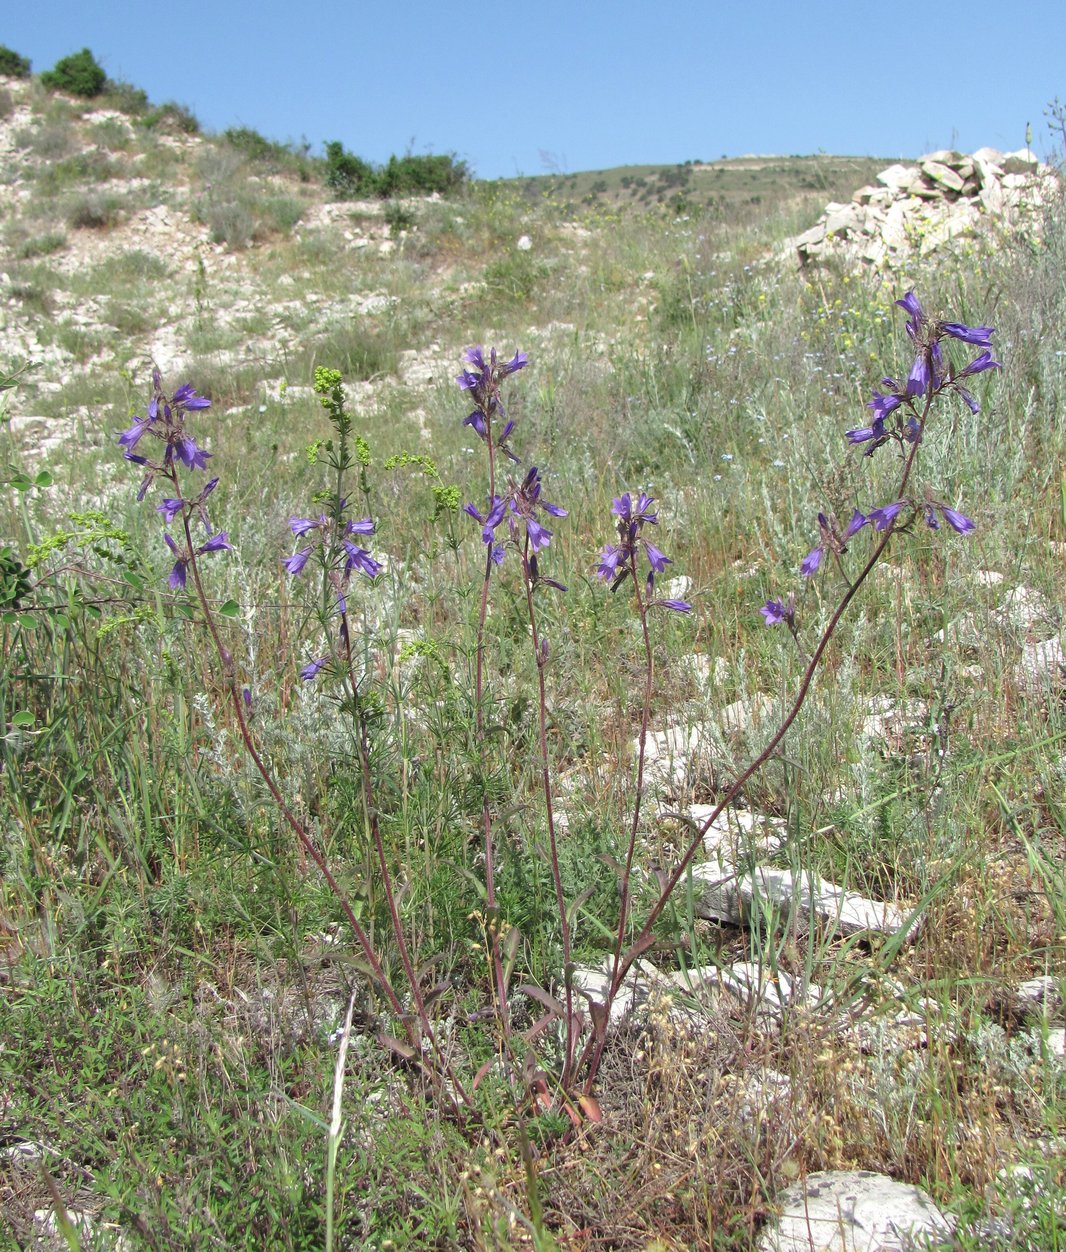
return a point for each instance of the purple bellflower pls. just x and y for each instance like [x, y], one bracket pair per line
[330, 536]
[519, 508]
[311, 669]
[217, 543]
[958, 522]
[295, 563]
[931, 372]
[831, 540]
[321, 528]
[777, 611]
[496, 550]
[483, 381]
[165, 420]
[883, 517]
[618, 560]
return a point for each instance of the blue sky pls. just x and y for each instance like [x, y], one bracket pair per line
[580, 85]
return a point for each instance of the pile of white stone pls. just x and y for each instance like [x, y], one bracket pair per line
[920, 208]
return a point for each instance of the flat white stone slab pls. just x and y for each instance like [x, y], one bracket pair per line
[1040, 997]
[757, 986]
[594, 981]
[668, 754]
[855, 1211]
[732, 899]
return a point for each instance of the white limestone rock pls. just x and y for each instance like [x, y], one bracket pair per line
[843, 218]
[1042, 665]
[770, 994]
[738, 833]
[1028, 611]
[926, 206]
[757, 1095]
[1021, 161]
[943, 175]
[943, 156]
[1040, 998]
[668, 755]
[732, 898]
[88, 1230]
[595, 981]
[743, 716]
[898, 177]
[855, 1211]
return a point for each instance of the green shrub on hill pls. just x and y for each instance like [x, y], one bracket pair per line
[254, 145]
[12, 65]
[126, 98]
[171, 116]
[79, 74]
[349, 176]
[411, 175]
[270, 154]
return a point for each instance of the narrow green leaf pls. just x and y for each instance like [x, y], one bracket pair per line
[134, 580]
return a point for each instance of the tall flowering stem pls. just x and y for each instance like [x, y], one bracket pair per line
[519, 509]
[901, 414]
[370, 813]
[341, 556]
[619, 564]
[482, 379]
[166, 424]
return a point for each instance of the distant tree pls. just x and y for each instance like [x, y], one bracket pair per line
[79, 74]
[348, 175]
[128, 99]
[12, 65]
[171, 116]
[413, 175]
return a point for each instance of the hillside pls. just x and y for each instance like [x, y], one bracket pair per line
[732, 187]
[124, 241]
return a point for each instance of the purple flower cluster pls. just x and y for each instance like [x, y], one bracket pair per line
[931, 373]
[778, 611]
[341, 557]
[217, 543]
[831, 540]
[483, 381]
[899, 415]
[165, 422]
[351, 556]
[619, 560]
[518, 508]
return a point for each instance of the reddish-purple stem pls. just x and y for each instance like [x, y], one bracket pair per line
[593, 1051]
[545, 770]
